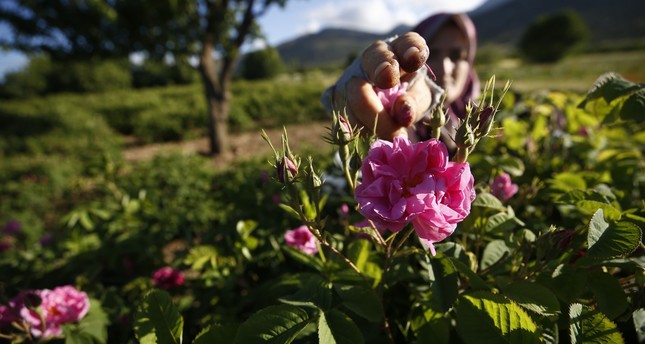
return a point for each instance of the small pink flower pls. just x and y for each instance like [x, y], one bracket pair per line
[11, 312]
[407, 182]
[59, 306]
[167, 278]
[502, 187]
[276, 199]
[301, 239]
[388, 96]
[343, 211]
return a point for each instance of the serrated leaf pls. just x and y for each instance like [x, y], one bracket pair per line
[611, 240]
[533, 297]
[315, 290]
[274, 324]
[335, 327]
[217, 334]
[157, 319]
[483, 317]
[634, 107]
[609, 211]
[567, 181]
[487, 200]
[95, 322]
[443, 283]
[590, 326]
[609, 86]
[199, 256]
[610, 295]
[493, 252]
[361, 300]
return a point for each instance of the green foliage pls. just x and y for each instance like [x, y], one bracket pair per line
[261, 64]
[552, 37]
[561, 261]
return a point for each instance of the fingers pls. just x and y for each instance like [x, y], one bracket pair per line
[365, 109]
[380, 65]
[411, 51]
[382, 62]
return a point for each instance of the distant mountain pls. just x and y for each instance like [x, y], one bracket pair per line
[607, 20]
[497, 21]
[330, 47]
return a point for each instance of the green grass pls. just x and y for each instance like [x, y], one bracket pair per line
[575, 73]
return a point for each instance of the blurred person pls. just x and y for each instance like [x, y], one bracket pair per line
[445, 42]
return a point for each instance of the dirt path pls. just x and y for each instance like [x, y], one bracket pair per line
[243, 145]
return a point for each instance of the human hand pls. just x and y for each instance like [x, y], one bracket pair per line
[386, 65]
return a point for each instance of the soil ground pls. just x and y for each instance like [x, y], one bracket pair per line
[246, 145]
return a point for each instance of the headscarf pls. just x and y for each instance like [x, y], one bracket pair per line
[429, 27]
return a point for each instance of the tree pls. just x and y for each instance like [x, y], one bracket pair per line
[262, 64]
[85, 29]
[552, 37]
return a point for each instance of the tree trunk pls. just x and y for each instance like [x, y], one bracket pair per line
[216, 101]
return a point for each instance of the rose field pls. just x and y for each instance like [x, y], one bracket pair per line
[531, 232]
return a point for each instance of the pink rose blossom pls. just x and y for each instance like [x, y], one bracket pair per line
[502, 187]
[11, 312]
[388, 96]
[167, 278]
[59, 306]
[301, 239]
[343, 211]
[447, 205]
[407, 182]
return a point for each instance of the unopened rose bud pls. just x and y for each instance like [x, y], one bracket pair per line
[289, 168]
[465, 136]
[344, 129]
[485, 121]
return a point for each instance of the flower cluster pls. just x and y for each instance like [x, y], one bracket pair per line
[59, 306]
[301, 239]
[167, 278]
[406, 182]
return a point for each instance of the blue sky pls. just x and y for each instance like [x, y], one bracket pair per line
[301, 17]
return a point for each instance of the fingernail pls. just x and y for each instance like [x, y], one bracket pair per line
[410, 52]
[380, 68]
[424, 54]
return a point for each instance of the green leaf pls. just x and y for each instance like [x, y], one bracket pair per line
[611, 297]
[533, 297]
[217, 334]
[358, 252]
[483, 317]
[634, 107]
[610, 212]
[609, 86]
[567, 181]
[444, 283]
[486, 200]
[476, 282]
[639, 324]
[435, 329]
[591, 326]
[95, 322]
[611, 241]
[307, 259]
[274, 324]
[335, 327]
[157, 319]
[315, 290]
[199, 256]
[361, 300]
[493, 252]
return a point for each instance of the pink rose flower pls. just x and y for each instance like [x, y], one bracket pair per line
[447, 205]
[167, 278]
[396, 178]
[301, 239]
[407, 182]
[388, 96]
[59, 306]
[502, 187]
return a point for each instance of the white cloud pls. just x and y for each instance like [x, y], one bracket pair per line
[377, 15]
